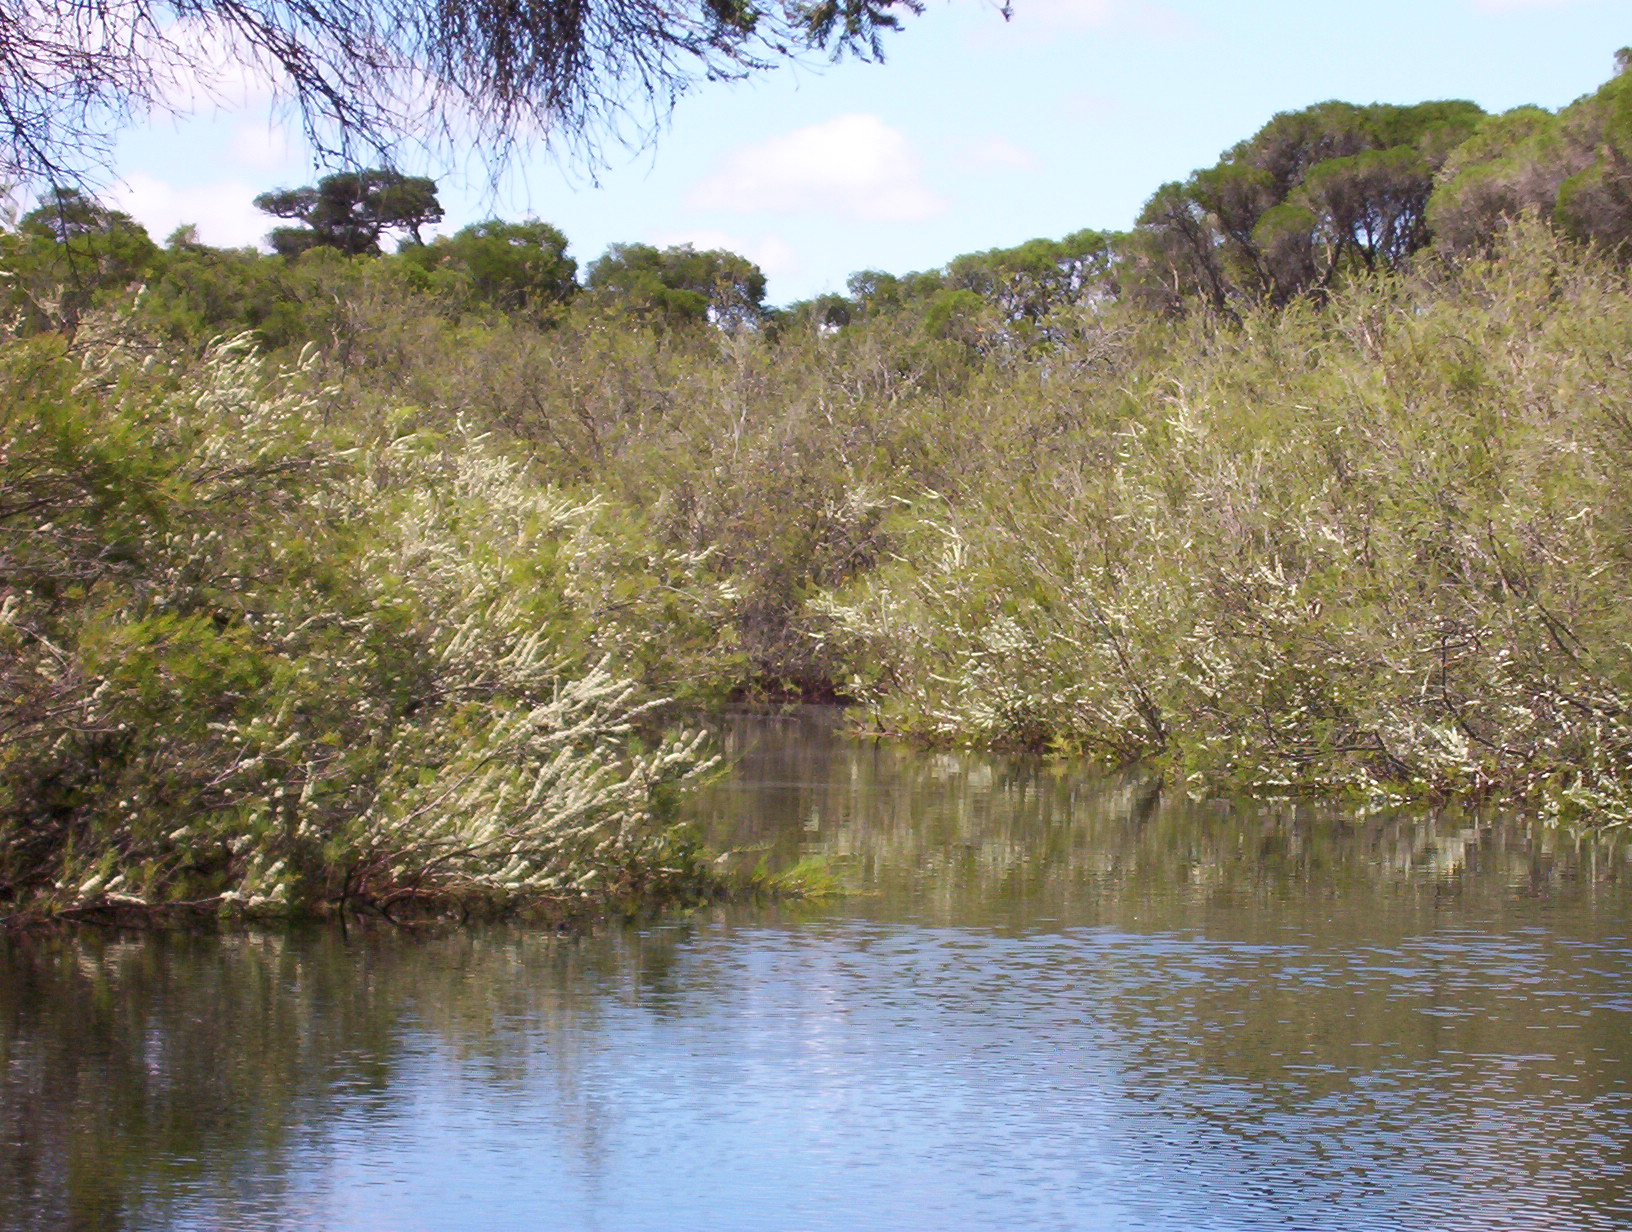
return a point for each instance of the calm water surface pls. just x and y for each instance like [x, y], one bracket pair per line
[1057, 1003]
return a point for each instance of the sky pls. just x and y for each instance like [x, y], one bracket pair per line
[977, 132]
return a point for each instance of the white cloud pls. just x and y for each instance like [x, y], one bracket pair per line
[1072, 12]
[774, 255]
[1089, 105]
[262, 147]
[1126, 16]
[224, 212]
[1521, 6]
[210, 67]
[855, 166]
[996, 153]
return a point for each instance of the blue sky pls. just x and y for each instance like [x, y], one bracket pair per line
[975, 133]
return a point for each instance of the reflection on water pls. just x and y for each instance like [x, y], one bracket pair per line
[1056, 1003]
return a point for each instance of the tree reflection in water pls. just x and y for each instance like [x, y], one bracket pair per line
[1067, 999]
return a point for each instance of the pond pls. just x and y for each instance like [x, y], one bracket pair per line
[1052, 1002]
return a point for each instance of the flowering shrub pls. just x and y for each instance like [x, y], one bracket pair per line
[252, 663]
[1379, 546]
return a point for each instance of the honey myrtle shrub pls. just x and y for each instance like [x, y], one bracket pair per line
[250, 664]
[1380, 545]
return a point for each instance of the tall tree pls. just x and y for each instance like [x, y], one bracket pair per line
[1575, 167]
[351, 210]
[682, 283]
[1312, 194]
[63, 253]
[514, 266]
[366, 74]
[1030, 281]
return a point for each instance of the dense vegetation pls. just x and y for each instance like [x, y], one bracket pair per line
[336, 577]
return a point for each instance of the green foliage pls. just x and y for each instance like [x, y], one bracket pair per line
[511, 266]
[195, 292]
[1595, 204]
[350, 210]
[1031, 281]
[1379, 547]
[824, 313]
[878, 293]
[955, 313]
[65, 255]
[681, 284]
[399, 613]
[253, 662]
[1512, 165]
[810, 879]
[1575, 167]
[1314, 195]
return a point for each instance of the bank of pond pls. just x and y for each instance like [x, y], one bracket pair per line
[300, 632]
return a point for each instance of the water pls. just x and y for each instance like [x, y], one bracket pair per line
[1057, 1003]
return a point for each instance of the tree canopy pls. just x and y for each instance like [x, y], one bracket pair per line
[63, 252]
[1028, 282]
[1575, 166]
[682, 283]
[351, 210]
[1312, 194]
[1313, 200]
[366, 75]
[513, 266]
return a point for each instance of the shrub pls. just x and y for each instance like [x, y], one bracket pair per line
[1378, 547]
[251, 661]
